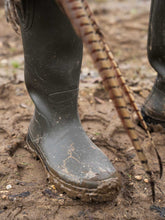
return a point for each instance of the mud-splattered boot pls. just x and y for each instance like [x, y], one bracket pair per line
[53, 55]
[154, 107]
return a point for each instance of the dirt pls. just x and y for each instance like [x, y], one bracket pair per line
[25, 190]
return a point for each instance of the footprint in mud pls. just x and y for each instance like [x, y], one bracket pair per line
[21, 123]
[3, 134]
[29, 169]
[94, 125]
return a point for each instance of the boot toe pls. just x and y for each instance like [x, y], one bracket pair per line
[91, 186]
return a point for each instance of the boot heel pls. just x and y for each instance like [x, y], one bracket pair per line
[36, 153]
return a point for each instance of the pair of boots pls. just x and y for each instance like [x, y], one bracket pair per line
[53, 55]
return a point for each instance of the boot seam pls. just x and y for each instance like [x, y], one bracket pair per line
[63, 92]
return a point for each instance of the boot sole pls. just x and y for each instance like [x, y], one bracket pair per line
[106, 191]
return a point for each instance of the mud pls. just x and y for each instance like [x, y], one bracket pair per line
[25, 190]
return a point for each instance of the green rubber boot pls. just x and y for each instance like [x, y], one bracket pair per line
[53, 55]
[154, 107]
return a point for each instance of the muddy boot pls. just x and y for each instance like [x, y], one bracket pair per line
[53, 55]
[154, 107]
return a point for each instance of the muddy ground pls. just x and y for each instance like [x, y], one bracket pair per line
[25, 191]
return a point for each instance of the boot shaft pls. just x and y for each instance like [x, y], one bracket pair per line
[53, 56]
[156, 37]
[53, 52]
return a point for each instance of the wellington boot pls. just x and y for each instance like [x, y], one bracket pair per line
[154, 107]
[53, 55]
[153, 110]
